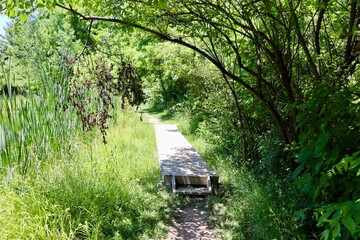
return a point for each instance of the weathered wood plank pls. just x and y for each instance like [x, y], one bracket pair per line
[180, 163]
[192, 191]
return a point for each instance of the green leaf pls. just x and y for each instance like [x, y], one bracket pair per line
[10, 12]
[304, 155]
[324, 218]
[317, 168]
[326, 234]
[349, 223]
[356, 154]
[354, 163]
[23, 17]
[321, 142]
[40, 5]
[344, 165]
[356, 215]
[336, 230]
[336, 216]
[298, 171]
[347, 208]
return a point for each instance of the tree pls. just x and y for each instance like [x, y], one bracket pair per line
[274, 50]
[299, 59]
[40, 42]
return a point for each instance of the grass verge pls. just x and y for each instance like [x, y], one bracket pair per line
[96, 192]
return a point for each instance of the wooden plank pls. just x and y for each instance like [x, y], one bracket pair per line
[173, 184]
[209, 184]
[181, 166]
[192, 180]
[192, 191]
[177, 156]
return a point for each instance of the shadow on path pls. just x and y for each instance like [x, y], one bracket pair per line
[191, 222]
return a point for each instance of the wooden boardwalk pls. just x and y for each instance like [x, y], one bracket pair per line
[181, 166]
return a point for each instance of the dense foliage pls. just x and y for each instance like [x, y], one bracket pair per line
[272, 84]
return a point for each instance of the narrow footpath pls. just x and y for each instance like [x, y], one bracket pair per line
[192, 221]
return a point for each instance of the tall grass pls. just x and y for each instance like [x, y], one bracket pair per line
[34, 127]
[98, 192]
[255, 209]
[59, 183]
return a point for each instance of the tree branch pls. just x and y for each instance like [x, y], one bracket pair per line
[349, 42]
[318, 26]
[268, 104]
[303, 43]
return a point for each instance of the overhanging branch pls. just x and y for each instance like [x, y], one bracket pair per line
[269, 105]
[166, 38]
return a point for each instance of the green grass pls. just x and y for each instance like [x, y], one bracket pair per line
[182, 121]
[34, 128]
[57, 182]
[97, 192]
[255, 209]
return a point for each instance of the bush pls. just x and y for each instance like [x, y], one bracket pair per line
[328, 172]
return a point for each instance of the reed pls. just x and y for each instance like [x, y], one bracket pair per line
[34, 127]
[59, 183]
[96, 192]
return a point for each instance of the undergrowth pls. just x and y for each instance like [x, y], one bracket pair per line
[255, 209]
[97, 192]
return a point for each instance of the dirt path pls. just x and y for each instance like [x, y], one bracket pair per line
[191, 223]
